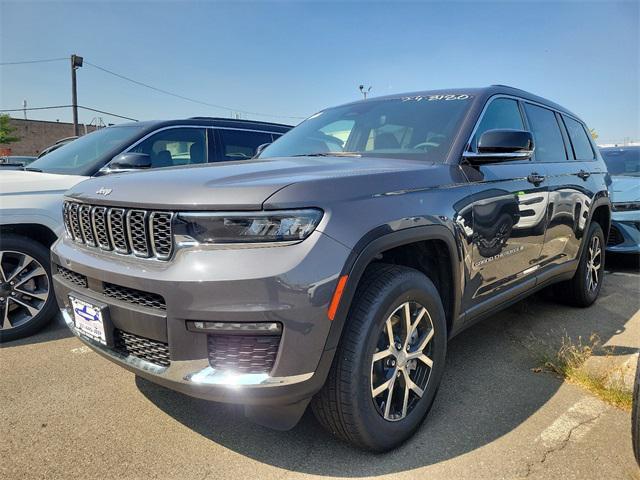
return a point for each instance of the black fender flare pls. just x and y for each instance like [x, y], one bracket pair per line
[600, 199]
[377, 241]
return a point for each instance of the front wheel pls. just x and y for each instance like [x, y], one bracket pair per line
[390, 361]
[27, 301]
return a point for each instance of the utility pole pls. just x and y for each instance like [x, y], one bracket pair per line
[24, 108]
[76, 62]
[364, 91]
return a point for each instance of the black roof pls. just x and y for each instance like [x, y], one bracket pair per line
[240, 121]
[484, 92]
[506, 89]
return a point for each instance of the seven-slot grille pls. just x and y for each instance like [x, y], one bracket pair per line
[126, 231]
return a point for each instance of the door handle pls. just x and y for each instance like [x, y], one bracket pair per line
[583, 175]
[535, 178]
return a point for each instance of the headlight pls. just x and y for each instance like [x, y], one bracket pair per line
[625, 206]
[248, 227]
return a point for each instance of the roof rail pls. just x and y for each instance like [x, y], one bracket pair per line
[512, 88]
[222, 119]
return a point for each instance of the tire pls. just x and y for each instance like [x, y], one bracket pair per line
[579, 291]
[30, 303]
[346, 405]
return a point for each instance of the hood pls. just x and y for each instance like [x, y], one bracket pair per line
[625, 188]
[244, 185]
[14, 182]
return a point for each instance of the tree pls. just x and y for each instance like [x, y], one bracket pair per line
[593, 133]
[6, 131]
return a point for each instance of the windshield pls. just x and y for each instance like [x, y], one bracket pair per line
[88, 153]
[622, 161]
[412, 127]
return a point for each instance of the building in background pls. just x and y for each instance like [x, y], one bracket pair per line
[36, 135]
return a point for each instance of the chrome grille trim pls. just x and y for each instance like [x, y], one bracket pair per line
[84, 216]
[142, 233]
[137, 232]
[67, 219]
[76, 231]
[160, 226]
[117, 230]
[99, 221]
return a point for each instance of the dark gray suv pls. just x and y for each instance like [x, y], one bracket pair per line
[333, 269]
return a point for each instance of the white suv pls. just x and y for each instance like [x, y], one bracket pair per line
[31, 199]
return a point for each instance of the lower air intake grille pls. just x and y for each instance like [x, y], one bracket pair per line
[137, 297]
[243, 353]
[73, 277]
[150, 350]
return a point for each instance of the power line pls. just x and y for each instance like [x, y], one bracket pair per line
[166, 92]
[107, 113]
[34, 108]
[68, 106]
[23, 62]
[142, 84]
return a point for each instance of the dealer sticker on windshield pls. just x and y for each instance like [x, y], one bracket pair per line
[88, 319]
[433, 98]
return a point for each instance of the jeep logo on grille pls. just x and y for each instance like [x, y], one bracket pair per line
[104, 191]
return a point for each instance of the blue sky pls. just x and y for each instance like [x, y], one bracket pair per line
[295, 58]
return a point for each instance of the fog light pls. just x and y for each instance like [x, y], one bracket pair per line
[240, 328]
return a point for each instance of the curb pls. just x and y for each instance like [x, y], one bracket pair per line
[619, 371]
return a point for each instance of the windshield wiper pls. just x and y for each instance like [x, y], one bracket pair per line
[329, 154]
[33, 169]
[21, 165]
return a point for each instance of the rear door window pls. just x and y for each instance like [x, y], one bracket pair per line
[502, 113]
[547, 137]
[175, 146]
[241, 144]
[579, 139]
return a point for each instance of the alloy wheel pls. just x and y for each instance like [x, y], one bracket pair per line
[594, 264]
[402, 363]
[24, 288]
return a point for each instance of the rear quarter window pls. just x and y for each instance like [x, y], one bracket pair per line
[241, 144]
[579, 139]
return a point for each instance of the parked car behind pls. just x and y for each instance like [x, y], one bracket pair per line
[60, 143]
[333, 269]
[16, 160]
[624, 167]
[31, 206]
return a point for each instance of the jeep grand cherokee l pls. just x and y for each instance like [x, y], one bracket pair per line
[31, 199]
[333, 269]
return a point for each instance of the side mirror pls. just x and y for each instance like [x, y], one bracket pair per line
[260, 149]
[502, 146]
[130, 161]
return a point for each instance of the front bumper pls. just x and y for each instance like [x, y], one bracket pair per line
[290, 285]
[624, 235]
[196, 378]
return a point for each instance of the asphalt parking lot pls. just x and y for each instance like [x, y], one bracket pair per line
[67, 413]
